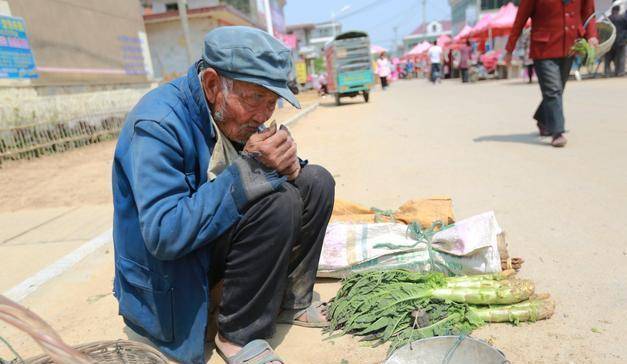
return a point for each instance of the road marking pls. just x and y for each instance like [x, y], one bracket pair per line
[39, 225]
[302, 114]
[31, 284]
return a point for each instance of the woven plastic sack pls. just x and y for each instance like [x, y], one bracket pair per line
[466, 248]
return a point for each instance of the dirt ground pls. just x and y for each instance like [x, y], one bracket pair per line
[78, 177]
[564, 210]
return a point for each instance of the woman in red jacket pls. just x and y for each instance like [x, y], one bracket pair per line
[556, 25]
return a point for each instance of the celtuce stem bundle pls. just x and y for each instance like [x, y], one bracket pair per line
[401, 306]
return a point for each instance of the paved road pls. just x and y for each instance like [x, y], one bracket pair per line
[564, 210]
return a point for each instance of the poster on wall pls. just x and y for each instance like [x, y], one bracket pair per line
[301, 72]
[16, 57]
[132, 55]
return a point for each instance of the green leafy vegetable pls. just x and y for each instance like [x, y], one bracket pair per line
[583, 48]
[400, 306]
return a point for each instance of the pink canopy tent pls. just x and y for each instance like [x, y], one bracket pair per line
[375, 49]
[444, 40]
[463, 34]
[419, 49]
[505, 17]
[480, 27]
[505, 22]
[500, 25]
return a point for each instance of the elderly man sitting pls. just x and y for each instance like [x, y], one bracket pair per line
[203, 193]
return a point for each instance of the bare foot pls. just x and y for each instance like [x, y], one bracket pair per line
[229, 349]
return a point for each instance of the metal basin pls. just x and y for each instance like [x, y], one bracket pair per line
[447, 350]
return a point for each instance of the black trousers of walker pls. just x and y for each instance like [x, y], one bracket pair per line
[615, 55]
[384, 82]
[268, 261]
[464, 74]
[552, 76]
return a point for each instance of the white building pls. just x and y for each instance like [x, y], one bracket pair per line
[427, 32]
[165, 33]
[311, 38]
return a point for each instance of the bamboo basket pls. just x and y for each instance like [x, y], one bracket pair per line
[606, 31]
[607, 36]
[56, 351]
[112, 352]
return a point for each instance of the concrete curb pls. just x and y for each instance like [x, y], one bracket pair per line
[302, 114]
[31, 284]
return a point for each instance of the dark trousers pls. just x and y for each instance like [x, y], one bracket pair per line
[530, 72]
[552, 76]
[268, 261]
[384, 82]
[464, 74]
[616, 55]
[435, 71]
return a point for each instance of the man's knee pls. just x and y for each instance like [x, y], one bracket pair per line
[274, 220]
[318, 179]
[553, 93]
[552, 89]
[283, 206]
[287, 200]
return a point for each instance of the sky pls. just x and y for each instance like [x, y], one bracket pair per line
[377, 17]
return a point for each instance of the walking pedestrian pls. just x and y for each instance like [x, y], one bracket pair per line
[435, 57]
[556, 26]
[322, 80]
[409, 69]
[616, 54]
[464, 59]
[384, 69]
[449, 63]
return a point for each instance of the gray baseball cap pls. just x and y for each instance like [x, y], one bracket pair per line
[250, 55]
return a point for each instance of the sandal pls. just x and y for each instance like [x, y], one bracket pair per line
[255, 352]
[314, 317]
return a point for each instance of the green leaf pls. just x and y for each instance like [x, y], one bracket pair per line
[392, 328]
[378, 325]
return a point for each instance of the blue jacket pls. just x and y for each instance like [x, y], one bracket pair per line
[166, 216]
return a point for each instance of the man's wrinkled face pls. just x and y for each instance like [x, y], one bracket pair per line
[241, 107]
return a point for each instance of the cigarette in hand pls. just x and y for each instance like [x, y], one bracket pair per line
[263, 127]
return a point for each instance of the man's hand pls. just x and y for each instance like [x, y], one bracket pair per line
[594, 42]
[276, 150]
[293, 171]
[508, 59]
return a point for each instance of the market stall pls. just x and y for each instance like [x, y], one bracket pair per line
[418, 55]
[444, 41]
[463, 34]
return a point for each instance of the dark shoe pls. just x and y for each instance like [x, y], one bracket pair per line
[559, 141]
[543, 131]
